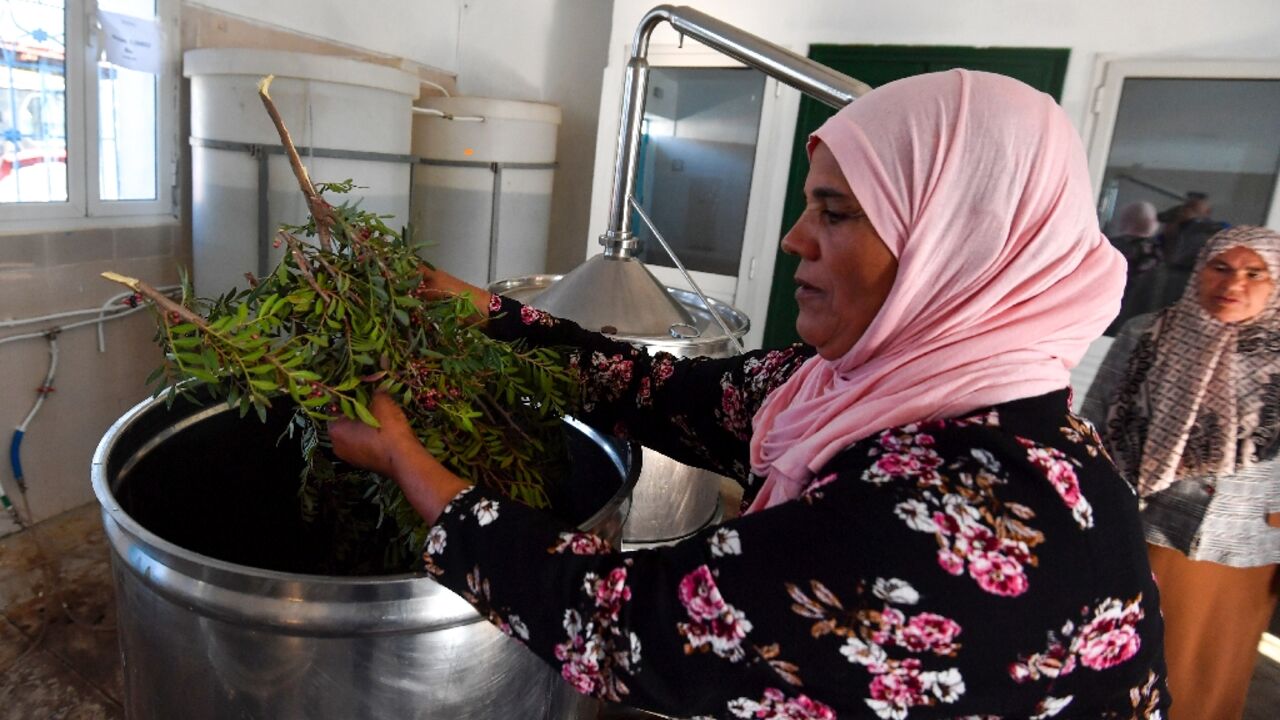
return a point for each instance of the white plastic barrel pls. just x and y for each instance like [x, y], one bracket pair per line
[328, 103]
[454, 191]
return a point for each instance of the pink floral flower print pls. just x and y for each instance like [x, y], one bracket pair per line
[515, 627]
[644, 395]
[766, 372]
[1111, 637]
[1107, 637]
[725, 541]
[485, 511]
[609, 592]
[436, 540]
[976, 530]
[477, 593]
[1058, 469]
[1051, 706]
[895, 591]
[1083, 433]
[495, 304]
[990, 418]
[875, 637]
[606, 377]
[998, 574]
[664, 366]
[716, 625]
[596, 647]
[775, 705]
[905, 686]
[870, 654]
[904, 454]
[1055, 661]
[732, 413]
[916, 514]
[928, 632]
[951, 562]
[1145, 699]
[533, 316]
[580, 543]
[813, 491]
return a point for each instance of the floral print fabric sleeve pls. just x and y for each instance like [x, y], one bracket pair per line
[696, 410]
[988, 566]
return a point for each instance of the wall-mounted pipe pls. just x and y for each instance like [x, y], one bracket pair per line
[805, 75]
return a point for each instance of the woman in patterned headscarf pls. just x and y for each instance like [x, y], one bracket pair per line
[1188, 400]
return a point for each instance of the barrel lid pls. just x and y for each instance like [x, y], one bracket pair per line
[493, 108]
[301, 66]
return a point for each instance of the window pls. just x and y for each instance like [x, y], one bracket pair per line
[87, 109]
[1180, 149]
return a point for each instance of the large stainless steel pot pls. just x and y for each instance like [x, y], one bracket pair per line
[196, 501]
[671, 500]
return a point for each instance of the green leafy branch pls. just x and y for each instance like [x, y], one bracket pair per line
[348, 316]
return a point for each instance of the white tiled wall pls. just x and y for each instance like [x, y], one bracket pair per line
[47, 273]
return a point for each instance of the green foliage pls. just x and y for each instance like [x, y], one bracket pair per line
[325, 330]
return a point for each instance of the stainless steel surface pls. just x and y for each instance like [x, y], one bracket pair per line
[709, 341]
[805, 75]
[620, 243]
[204, 638]
[614, 289]
[671, 500]
[684, 330]
[617, 293]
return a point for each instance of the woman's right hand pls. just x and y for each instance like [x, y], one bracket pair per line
[440, 284]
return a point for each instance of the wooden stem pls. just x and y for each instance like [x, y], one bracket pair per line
[320, 210]
[162, 301]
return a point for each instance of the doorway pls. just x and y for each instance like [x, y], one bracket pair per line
[1178, 151]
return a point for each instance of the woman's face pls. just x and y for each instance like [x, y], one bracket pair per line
[846, 270]
[1235, 285]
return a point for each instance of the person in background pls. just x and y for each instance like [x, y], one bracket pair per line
[1188, 402]
[930, 532]
[1135, 235]
[1185, 229]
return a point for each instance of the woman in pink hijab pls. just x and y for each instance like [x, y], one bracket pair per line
[930, 532]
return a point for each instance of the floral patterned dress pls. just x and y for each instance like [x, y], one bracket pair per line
[989, 566]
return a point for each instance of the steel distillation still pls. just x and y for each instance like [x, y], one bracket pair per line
[614, 290]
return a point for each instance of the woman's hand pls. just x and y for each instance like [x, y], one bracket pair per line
[439, 284]
[394, 451]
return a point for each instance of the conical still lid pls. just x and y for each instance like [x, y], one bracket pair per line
[614, 295]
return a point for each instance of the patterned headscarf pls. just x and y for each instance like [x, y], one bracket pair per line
[1201, 397]
[977, 184]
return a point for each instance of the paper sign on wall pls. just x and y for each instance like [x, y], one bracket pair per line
[132, 42]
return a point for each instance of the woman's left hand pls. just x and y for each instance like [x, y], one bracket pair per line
[393, 450]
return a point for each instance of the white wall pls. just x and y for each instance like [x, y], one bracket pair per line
[1237, 29]
[425, 31]
[549, 51]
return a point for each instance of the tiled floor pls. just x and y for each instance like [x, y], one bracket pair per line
[58, 652]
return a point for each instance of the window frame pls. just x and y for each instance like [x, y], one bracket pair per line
[83, 201]
[748, 290]
[1109, 75]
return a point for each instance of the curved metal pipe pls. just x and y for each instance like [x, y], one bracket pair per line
[811, 78]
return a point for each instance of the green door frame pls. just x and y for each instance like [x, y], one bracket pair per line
[1041, 68]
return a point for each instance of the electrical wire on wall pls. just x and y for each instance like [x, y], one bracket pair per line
[114, 308]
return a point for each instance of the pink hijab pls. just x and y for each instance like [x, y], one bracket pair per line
[977, 184]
